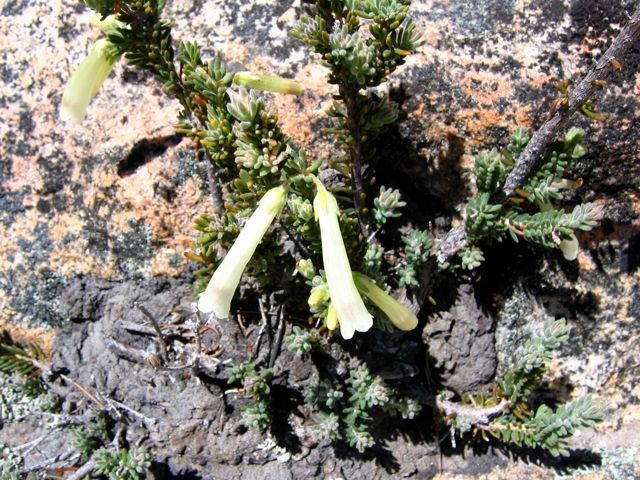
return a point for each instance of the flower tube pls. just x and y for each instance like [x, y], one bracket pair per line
[268, 83]
[86, 80]
[351, 313]
[399, 315]
[217, 296]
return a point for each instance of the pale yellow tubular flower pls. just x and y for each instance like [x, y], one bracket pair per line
[268, 83]
[85, 81]
[399, 314]
[217, 296]
[351, 312]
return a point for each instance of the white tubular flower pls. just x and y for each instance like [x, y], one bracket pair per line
[349, 307]
[222, 286]
[86, 80]
[268, 83]
[399, 315]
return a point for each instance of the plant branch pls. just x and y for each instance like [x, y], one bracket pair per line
[576, 98]
[588, 87]
[83, 471]
[478, 415]
[349, 95]
[164, 348]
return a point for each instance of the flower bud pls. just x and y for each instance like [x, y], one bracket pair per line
[399, 315]
[268, 83]
[306, 268]
[570, 248]
[332, 318]
[318, 295]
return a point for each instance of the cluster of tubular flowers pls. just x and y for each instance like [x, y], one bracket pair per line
[346, 308]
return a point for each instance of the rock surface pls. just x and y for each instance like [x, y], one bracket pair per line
[98, 216]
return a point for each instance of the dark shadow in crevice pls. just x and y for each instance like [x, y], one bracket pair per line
[161, 471]
[144, 151]
[284, 400]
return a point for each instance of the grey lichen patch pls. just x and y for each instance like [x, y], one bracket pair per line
[259, 24]
[39, 300]
[479, 17]
[133, 249]
[615, 464]
[16, 402]
[514, 324]
[189, 167]
[10, 463]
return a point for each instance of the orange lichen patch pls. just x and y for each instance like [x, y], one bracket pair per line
[419, 110]
[74, 261]
[162, 261]
[539, 80]
[477, 121]
[295, 113]
[314, 79]
[585, 261]
[24, 173]
[24, 335]
[24, 225]
[431, 34]
[467, 161]
[235, 51]
[293, 120]
[64, 224]
[523, 116]
[486, 87]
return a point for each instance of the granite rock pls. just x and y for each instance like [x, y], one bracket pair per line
[95, 217]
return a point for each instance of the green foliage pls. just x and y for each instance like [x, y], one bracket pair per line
[482, 217]
[386, 205]
[549, 429]
[531, 359]
[89, 438]
[257, 413]
[17, 358]
[343, 411]
[303, 341]
[373, 260]
[491, 170]
[83, 442]
[10, 464]
[548, 228]
[471, 258]
[361, 42]
[416, 254]
[531, 215]
[545, 184]
[122, 464]
[333, 30]
[318, 300]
